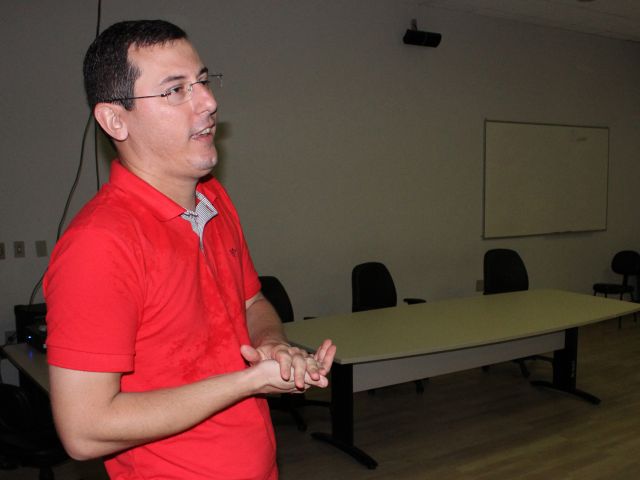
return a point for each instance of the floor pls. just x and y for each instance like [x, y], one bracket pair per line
[475, 425]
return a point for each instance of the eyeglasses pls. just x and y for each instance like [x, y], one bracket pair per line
[182, 92]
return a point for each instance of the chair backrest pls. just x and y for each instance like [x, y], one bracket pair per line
[372, 287]
[274, 291]
[504, 271]
[625, 263]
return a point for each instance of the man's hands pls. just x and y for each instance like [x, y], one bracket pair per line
[297, 368]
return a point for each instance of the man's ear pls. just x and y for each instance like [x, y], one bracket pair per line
[111, 118]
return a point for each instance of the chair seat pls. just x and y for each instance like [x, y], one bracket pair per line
[34, 449]
[612, 288]
[27, 433]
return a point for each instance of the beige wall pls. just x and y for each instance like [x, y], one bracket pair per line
[340, 144]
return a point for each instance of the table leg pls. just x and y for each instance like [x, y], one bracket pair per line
[565, 363]
[342, 416]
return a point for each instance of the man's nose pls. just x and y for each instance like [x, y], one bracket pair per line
[203, 98]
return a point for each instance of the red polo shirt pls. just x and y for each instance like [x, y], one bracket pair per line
[130, 290]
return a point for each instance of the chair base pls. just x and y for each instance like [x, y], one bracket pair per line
[523, 366]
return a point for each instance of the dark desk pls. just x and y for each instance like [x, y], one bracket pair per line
[30, 362]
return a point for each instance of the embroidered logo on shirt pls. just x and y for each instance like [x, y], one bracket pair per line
[233, 252]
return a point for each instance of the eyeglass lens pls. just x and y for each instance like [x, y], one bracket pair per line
[183, 93]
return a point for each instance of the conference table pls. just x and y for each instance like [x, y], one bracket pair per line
[388, 346]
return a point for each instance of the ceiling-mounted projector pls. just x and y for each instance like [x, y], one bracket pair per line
[420, 38]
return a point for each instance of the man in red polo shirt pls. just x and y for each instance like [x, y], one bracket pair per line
[159, 340]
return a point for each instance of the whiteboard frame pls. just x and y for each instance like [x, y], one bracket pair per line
[520, 160]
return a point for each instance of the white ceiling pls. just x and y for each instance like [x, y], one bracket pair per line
[609, 18]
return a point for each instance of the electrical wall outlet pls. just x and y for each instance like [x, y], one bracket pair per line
[479, 285]
[18, 249]
[10, 337]
[41, 248]
[3, 254]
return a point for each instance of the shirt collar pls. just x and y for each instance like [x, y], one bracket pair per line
[160, 206]
[200, 217]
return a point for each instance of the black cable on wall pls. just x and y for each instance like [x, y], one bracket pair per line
[37, 286]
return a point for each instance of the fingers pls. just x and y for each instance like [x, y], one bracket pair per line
[316, 367]
[295, 364]
[300, 370]
[270, 379]
[300, 366]
[324, 356]
[250, 354]
[300, 386]
[285, 360]
[274, 383]
[322, 350]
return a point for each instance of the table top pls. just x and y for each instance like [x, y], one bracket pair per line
[454, 324]
[30, 361]
[420, 329]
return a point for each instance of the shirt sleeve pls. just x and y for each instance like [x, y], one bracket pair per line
[93, 290]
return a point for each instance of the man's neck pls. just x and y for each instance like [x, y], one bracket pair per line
[180, 190]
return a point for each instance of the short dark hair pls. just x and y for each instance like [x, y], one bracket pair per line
[108, 74]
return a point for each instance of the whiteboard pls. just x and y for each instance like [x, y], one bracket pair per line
[541, 179]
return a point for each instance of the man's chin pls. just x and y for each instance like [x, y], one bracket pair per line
[206, 166]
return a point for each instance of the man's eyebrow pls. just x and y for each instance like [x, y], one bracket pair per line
[173, 78]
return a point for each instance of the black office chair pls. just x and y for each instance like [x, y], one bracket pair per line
[372, 287]
[504, 271]
[627, 264]
[27, 435]
[274, 291]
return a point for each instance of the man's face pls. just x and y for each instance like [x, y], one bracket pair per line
[173, 142]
